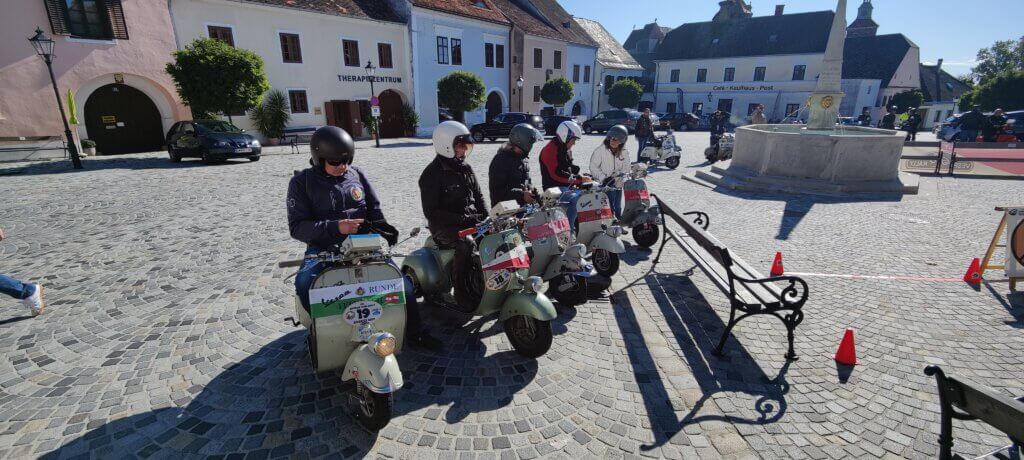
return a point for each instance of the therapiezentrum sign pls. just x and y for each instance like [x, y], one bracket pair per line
[364, 79]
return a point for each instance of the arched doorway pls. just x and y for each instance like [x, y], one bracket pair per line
[494, 105]
[392, 123]
[122, 119]
[577, 109]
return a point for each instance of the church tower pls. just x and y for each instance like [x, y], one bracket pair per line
[864, 26]
[732, 9]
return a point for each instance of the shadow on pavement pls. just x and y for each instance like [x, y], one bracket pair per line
[1013, 303]
[16, 319]
[114, 162]
[405, 144]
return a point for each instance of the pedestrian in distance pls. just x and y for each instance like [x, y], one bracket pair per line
[30, 295]
[644, 130]
[719, 121]
[912, 124]
[971, 124]
[611, 158]
[865, 118]
[889, 120]
[993, 124]
[758, 118]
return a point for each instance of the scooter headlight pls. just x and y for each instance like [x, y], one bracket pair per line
[534, 284]
[615, 231]
[384, 344]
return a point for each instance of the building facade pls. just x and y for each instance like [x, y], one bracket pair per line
[110, 54]
[316, 58]
[613, 63]
[942, 93]
[580, 71]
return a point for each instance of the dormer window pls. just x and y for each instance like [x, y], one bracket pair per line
[714, 42]
[479, 4]
[772, 38]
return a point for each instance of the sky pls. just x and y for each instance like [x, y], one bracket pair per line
[953, 30]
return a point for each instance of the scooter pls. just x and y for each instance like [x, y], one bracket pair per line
[595, 227]
[562, 265]
[508, 288]
[356, 322]
[638, 212]
[662, 149]
[721, 148]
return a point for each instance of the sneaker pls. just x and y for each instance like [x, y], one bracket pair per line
[35, 301]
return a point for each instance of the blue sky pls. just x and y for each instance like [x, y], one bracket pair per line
[950, 29]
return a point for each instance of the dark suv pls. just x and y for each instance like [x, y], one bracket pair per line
[551, 123]
[604, 120]
[680, 121]
[211, 140]
[501, 124]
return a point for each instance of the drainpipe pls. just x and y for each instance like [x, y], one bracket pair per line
[174, 31]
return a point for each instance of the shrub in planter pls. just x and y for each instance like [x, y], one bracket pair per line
[272, 116]
[411, 119]
[89, 147]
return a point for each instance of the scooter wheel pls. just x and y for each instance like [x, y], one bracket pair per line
[568, 296]
[606, 262]
[646, 235]
[672, 162]
[529, 336]
[375, 409]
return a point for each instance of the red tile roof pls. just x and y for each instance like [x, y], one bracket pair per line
[468, 8]
[364, 9]
[544, 18]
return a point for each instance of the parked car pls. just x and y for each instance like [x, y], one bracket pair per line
[679, 122]
[501, 124]
[551, 123]
[211, 140]
[949, 129]
[604, 120]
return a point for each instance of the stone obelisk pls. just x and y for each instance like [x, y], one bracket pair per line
[824, 101]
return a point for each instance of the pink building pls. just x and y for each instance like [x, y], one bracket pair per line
[110, 53]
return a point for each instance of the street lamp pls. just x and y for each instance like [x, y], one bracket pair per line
[44, 48]
[370, 69]
[519, 84]
[600, 85]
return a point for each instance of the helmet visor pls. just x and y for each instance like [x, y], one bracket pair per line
[466, 141]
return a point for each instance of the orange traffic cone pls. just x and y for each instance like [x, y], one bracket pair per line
[973, 274]
[847, 353]
[777, 269]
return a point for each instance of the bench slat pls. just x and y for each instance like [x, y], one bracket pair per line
[1003, 413]
[719, 275]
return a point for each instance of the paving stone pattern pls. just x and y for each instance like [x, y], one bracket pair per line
[165, 332]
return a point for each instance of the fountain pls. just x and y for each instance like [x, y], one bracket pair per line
[819, 157]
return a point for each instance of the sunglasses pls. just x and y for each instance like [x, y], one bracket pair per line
[335, 163]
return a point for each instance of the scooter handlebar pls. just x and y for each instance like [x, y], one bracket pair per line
[466, 232]
[291, 263]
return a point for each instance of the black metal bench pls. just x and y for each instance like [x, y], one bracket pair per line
[964, 401]
[750, 293]
[295, 137]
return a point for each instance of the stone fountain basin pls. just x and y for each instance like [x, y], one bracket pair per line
[845, 155]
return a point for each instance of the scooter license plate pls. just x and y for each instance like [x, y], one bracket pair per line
[364, 331]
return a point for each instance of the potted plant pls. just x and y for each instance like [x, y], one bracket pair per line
[88, 148]
[411, 119]
[271, 116]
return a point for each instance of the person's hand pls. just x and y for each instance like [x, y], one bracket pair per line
[586, 179]
[528, 198]
[1, 234]
[349, 226]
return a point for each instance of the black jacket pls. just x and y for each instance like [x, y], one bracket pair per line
[451, 196]
[913, 122]
[888, 121]
[317, 201]
[972, 121]
[719, 125]
[643, 127]
[509, 176]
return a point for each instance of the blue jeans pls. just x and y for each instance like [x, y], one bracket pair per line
[312, 267]
[15, 288]
[642, 142]
[568, 200]
[615, 198]
[968, 135]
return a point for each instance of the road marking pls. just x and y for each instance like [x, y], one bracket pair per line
[880, 277]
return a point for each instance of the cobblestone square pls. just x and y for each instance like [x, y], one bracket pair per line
[165, 332]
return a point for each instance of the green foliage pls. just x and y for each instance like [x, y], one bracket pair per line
[557, 92]
[625, 94]
[907, 99]
[1003, 56]
[410, 117]
[461, 91]
[213, 77]
[272, 116]
[88, 143]
[1005, 90]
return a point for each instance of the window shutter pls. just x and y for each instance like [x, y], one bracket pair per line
[118, 27]
[55, 12]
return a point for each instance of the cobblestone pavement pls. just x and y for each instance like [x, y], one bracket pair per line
[164, 333]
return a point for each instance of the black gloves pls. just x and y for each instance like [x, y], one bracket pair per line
[382, 228]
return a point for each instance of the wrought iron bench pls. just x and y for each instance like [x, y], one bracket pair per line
[749, 292]
[294, 137]
[964, 401]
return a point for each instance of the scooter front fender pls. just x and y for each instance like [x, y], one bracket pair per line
[379, 375]
[604, 241]
[428, 272]
[533, 304]
[651, 215]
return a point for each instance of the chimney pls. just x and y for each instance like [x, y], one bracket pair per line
[938, 81]
[779, 9]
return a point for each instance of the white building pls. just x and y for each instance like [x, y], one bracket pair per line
[580, 71]
[613, 63]
[315, 55]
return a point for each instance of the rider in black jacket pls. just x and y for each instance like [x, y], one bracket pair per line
[509, 173]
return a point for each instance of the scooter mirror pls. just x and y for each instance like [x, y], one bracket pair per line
[415, 231]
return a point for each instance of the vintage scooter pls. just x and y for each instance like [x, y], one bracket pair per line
[638, 213]
[562, 265]
[662, 149]
[595, 227]
[356, 322]
[508, 288]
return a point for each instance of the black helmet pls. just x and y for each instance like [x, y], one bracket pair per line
[524, 136]
[618, 132]
[333, 144]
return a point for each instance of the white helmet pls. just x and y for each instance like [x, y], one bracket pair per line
[445, 136]
[568, 130]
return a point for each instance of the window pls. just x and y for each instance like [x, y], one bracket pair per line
[949, 113]
[702, 75]
[586, 74]
[608, 82]
[291, 51]
[384, 60]
[103, 20]
[456, 51]
[725, 105]
[350, 52]
[698, 108]
[730, 74]
[671, 107]
[792, 110]
[575, 73]
[442, 50]
[759, 73]
[499, 56]
[538, 58]
[938, 115]
[558, 59]
[869, 89]
[488, 55]
[221, 33]
[297, 99]
[536, 94]
[799, 72]
[674, 76]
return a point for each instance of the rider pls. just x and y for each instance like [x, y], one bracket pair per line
[611, 158]
[557, 168]
[332, 200]
[510, 171]
[452, 201]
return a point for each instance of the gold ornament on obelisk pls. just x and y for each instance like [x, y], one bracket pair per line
[826, 102]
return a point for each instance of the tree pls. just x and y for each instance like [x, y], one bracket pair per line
[1005, 90]
[461, 91]
[1003, 56]
[212, 76]
[907, 99]
[625, 94]
[272, 115]
[557, 92]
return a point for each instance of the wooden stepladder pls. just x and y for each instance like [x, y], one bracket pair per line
[1009, 246]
